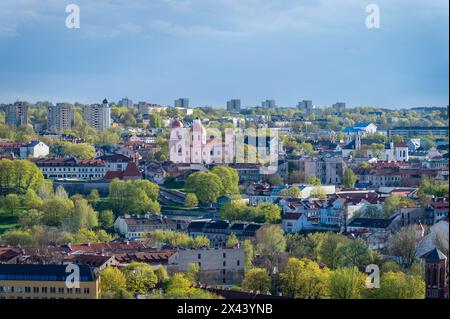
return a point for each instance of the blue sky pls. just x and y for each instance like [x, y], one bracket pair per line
[215, 50]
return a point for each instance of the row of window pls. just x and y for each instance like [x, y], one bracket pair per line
[63, 169]
[28, 297]
[44, 290]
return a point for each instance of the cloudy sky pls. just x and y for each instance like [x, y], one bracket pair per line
[215, 50]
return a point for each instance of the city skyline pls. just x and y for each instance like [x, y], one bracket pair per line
[212, 51]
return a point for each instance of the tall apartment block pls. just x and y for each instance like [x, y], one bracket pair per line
[17, 114]
[234, 105]
[305, 105]
[60, 117]
[339, 106]
[126, 102]
[270, 104]
[98, 115]
[182, 102]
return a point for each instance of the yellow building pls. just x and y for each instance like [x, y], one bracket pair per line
[47, 282]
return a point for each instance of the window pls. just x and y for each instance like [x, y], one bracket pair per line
[52, 290]
[86, 291]
[238, 262]
[77, 291]
[61, 290]
[224, 255]
[224, 263]
[199, 256]
[35, 290]
[44, 290]
[28, 289]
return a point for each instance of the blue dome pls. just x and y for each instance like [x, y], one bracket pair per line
[105, 101]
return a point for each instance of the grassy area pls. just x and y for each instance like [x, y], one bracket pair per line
[7, 222]
[174, 185]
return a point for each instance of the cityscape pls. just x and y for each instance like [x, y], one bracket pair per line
[130, 198]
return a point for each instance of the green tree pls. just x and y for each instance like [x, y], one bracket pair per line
[303, 278]
[232, 241]
[200, 242]
[257, 279]
[270, 244]
[318, 192]
[403, 244]
[11, 203]
[82, 216]
[112, 281]
[139, 277]
[271, 212]
[30, 218]
[106, 218]
[393, 203]
[376, 149]
[162, 275]
[93, 197]
[31, 200]
[16, 237]
[313, 180]
[293, 192]
[390, 266]
[191, 200]
[78, 150]
[193, 273]
[397, 285]
[330, 250]
[207, 186]
[229, 179]
[249, 253]
[355, 253]
[61, 193]
[349, 178]
[346, 283]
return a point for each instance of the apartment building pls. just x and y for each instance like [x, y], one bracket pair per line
[29, 281]
[418, 131]
[328, 169]
[61, 168]
[135, 227]
[17, 114]
[98, 116]
[61, 117]
[218, 266]
[234, 105]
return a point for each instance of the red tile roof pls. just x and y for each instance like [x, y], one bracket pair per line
[439, 205]
[132, 170]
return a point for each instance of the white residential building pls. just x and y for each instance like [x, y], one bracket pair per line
[34, 149]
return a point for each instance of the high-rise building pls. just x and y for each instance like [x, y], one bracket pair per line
[339, 106]
[126, 102]
[60, 117]
[270, 104]
[305, 105]
[17, 114]
[234, 105]
[98, 116]
[182, 102]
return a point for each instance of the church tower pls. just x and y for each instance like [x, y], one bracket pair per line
[435, 274]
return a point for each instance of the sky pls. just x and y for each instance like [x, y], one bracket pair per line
[211, 51]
